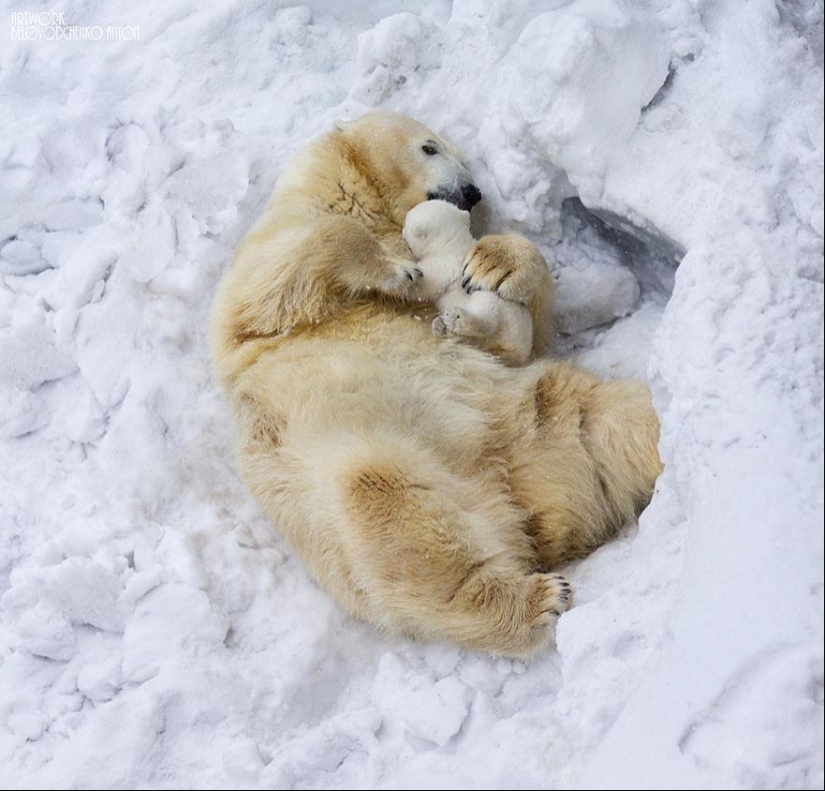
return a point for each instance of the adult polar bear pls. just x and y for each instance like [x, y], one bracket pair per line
[427, 487]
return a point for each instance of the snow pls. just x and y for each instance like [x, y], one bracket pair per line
[156, 631]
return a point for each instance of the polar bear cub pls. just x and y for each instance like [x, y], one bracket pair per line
[438, 234]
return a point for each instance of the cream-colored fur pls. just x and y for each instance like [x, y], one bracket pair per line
[427, 487]
[438, 234]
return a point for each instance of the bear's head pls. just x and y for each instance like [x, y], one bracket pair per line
[436, 227]
[406, 163]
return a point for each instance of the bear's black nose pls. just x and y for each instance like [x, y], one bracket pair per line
[470, 196]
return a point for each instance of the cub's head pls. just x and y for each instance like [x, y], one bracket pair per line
[435, 227]
[406, 162]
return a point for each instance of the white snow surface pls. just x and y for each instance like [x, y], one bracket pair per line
[157, 633]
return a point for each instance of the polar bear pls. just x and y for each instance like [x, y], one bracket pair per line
[438, 234]
[428, 487]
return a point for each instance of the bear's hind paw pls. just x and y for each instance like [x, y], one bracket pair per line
[551, 596]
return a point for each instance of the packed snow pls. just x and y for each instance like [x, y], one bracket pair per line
[666, 156]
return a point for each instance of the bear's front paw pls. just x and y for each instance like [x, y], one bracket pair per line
[401, 278]
[505, 265]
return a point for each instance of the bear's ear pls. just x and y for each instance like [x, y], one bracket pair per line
[341, 126]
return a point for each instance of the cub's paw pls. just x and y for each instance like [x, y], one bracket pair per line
[550, 596]
[506, 265]
[449, 323]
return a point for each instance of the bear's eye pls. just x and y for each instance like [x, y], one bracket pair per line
[429, 150]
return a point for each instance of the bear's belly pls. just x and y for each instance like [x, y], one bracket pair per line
[392, 376]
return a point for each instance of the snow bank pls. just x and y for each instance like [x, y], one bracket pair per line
[157, 632]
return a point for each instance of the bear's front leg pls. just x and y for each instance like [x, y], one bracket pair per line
[512, 268]
[364, 264]
[507, 265]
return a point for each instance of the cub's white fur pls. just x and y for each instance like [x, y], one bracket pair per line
[438, 233]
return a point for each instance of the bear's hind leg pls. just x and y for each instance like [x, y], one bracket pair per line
[590, 463]
[621, 433]
[438, 556]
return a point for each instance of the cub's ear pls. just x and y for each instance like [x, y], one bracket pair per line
[341, 126]
[420, 231]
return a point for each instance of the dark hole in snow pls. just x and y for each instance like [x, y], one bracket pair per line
[651, 256]
[663, 90]
[806, 20]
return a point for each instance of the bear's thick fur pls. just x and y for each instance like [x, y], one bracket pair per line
[427, 486]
